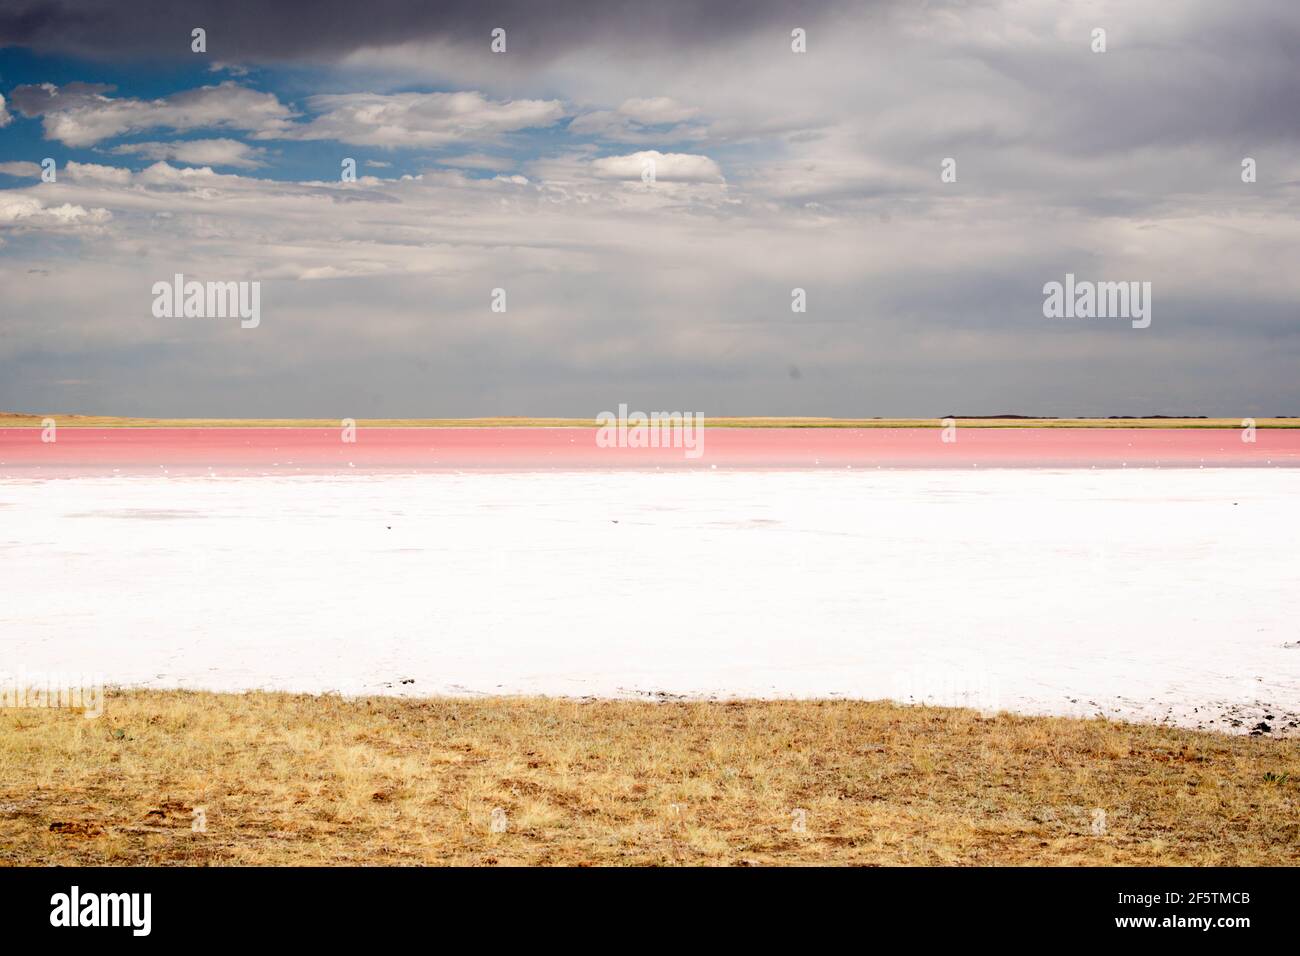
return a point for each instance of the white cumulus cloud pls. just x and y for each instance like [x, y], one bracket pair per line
[82, 114]
[420, 119]
[21, 208]
[199, 152]
[20, 168]
[668, 167]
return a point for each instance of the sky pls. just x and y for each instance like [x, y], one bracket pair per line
[527, 170]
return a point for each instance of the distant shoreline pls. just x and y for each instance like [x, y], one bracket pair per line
[35, 420]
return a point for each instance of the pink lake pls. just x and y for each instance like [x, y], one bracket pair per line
[316, 450]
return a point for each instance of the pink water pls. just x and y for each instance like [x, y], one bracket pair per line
[317, 450]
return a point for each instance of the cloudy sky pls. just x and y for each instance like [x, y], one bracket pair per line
[774, 170]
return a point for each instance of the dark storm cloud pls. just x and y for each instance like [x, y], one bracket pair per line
[1213, 72]
[325, 29]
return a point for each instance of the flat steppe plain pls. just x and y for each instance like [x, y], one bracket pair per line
[325, 780]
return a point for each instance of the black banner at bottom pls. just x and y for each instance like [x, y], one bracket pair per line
[303, 906]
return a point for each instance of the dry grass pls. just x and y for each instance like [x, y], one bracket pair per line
[22, 420]
[288, 779]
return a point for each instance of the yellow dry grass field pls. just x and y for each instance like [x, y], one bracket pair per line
[188, 778]
[23, 420]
